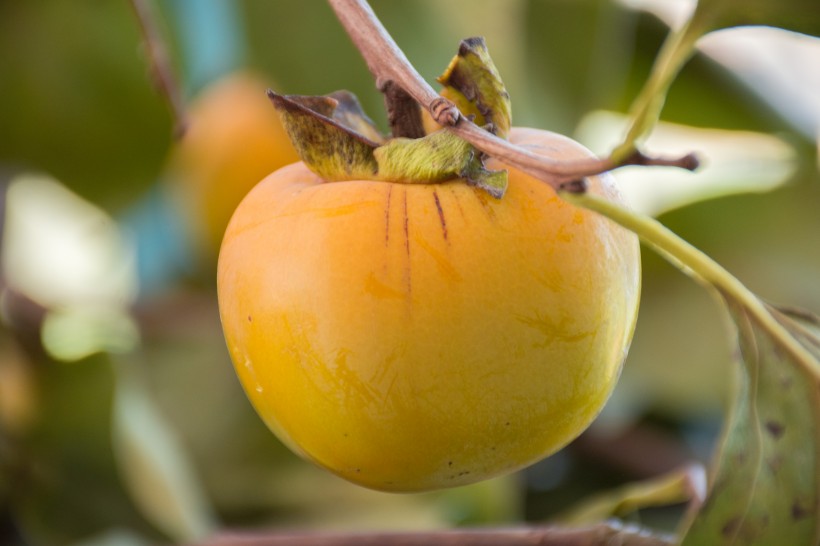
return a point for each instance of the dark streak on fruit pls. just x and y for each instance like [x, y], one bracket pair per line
[387, 215]
[440, 215]
[406, 226]
[407, 241]
[403, 112]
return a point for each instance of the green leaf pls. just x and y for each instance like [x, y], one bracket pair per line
[765, 488]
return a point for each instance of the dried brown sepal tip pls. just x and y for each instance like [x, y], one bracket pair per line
[403, 112]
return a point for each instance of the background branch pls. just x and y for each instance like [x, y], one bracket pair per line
[160, 65]
[598, 535]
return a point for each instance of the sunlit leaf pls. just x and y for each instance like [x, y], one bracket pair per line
[732, 162]
[155, 466]
[60, 250]
[781, 67]
[797, 15]
[765, 487]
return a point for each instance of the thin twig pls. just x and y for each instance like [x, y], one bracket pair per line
[160, 65]
[599, 535]
[388, 64]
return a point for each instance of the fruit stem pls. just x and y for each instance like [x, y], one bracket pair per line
[389, 64]
[697, 265]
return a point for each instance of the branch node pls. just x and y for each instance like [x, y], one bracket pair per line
[444, 112]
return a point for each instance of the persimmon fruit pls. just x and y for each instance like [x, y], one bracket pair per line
[410, 337]
[233, 140]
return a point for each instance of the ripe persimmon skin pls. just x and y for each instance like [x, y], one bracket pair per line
[415, 337]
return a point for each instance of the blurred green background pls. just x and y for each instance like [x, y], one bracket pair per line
[121, 420]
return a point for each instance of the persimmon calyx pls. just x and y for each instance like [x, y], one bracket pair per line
[473, 83]
[337, 141]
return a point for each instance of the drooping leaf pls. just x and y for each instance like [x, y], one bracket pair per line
[765, 487]
[154, 466]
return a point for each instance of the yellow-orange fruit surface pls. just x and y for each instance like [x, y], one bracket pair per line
[415, 337]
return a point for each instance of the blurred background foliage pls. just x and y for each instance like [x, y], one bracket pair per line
[121, 420]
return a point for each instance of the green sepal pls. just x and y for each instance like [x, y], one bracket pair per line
[437, 157]
[474, 84]
[325, 132]
[337, 141]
